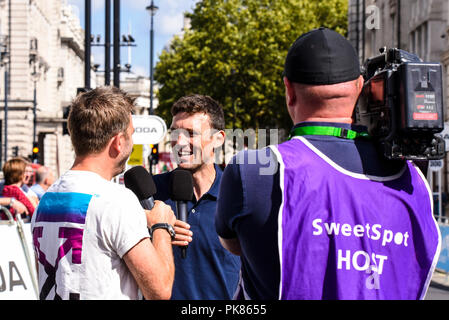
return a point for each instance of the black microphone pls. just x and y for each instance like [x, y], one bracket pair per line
[139, 181]
[181, 191]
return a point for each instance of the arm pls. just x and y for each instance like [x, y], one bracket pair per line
[229, 207]
[5, 201]
[14, 191]
[152, 266]
[151, 263]
[18, 206]
[24, 199]
[232, 245]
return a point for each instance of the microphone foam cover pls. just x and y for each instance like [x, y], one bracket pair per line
[181, 185]
[139, 181]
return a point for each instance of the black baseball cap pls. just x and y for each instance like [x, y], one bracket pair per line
[322, 57]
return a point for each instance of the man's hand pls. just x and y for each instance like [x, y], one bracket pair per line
[183, 234]
[161, 213]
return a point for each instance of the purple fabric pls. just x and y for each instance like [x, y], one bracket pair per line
[74, 217]
[345, 237]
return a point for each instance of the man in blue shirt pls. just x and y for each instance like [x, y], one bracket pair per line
[208, 272]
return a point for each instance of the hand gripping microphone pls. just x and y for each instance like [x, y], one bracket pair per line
[139, 181]
[181, 191]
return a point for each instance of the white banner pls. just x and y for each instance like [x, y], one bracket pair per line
[148, 129]
[436, 165]
[17, 264]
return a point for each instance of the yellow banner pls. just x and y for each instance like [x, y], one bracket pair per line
[136, 157]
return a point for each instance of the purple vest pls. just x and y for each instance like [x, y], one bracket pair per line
[349, 236]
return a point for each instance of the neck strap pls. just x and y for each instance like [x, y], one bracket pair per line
[328, 131]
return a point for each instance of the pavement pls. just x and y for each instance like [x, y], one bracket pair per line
[440, 280]
[439, 287]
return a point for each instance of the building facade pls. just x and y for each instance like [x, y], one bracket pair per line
[417, 26]
[45, 43]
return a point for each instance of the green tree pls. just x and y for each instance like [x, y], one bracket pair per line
[235, 52]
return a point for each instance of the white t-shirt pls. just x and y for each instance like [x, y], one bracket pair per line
[82, 227]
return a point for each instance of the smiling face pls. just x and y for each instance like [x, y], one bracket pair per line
[194, 140]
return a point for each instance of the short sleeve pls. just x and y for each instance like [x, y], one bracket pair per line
[124, 223]
[230, 202]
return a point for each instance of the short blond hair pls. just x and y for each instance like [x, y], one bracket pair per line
[97, 116]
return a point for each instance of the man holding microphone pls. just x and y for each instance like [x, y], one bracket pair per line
[90, 235]
[207, 271]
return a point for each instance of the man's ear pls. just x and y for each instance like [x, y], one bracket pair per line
[360, 83]
[219, 139]
[116, 145]
[290, 94]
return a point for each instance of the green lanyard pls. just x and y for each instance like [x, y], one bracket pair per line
[328, 131]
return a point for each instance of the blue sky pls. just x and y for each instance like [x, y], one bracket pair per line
[168, 21]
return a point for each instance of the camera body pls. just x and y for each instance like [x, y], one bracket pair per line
[401, 104]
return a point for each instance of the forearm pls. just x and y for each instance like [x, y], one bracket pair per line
[5, 201]
[152, 262]
[151, 271]
[232, 245]
[163, 245]
[159, 285]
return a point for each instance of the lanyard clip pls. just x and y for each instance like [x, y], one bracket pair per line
[344, 133]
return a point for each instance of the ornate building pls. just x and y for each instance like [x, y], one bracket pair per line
[45, 45]
[417, 26]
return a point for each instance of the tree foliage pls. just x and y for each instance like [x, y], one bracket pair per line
[235, 52]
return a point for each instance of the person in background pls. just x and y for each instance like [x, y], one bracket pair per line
[44, 179]
[27, 179]
[14, 172]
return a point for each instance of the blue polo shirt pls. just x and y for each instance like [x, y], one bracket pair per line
[209, 272]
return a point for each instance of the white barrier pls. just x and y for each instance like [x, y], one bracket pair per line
[18, 279]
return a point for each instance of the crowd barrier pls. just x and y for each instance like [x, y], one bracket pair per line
[18, 277]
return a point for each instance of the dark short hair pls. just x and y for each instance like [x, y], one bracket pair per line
[196, 103]
[97, 116]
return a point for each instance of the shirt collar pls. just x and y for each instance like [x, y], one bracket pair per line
[215, 188]
[357, 128]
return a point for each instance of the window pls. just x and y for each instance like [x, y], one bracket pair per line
[419, 41]
[425, 40]
[394, 30]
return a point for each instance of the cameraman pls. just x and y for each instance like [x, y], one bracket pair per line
[337, 220]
